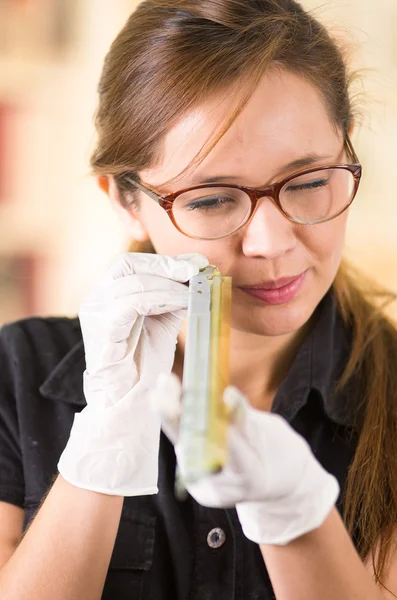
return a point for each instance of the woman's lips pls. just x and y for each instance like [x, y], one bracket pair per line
[272, 285]
[277, 295]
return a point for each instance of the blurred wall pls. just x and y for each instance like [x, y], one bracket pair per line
[57, 230]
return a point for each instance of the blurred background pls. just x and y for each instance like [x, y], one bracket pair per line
[57, 230]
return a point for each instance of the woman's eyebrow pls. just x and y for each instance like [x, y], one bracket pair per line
[297, 164]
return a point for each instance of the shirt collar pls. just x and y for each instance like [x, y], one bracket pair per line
[317, 366]
[65, 382]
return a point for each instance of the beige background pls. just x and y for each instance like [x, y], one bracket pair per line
[55, 210]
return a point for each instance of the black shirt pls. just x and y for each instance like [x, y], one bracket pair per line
[165, 549]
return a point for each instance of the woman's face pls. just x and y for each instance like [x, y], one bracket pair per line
[284, 121]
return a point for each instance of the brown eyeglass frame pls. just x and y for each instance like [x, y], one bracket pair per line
[272, 191]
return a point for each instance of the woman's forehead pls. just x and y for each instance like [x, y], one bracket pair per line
[284, 119]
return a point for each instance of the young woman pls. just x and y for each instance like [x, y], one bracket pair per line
[223, 137]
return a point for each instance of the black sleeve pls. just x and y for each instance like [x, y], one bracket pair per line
[12, 486]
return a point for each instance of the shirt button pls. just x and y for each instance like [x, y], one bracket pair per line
[216, 538]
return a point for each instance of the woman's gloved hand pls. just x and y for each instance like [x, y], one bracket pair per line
[130, 324]
[278, 487]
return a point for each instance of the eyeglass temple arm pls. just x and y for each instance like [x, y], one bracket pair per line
[350, 148]
[144, 189]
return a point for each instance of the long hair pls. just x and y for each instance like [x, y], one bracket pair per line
[371, 488]
[173, 54]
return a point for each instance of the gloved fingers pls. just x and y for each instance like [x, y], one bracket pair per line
[218, 490]
[124, 311]
[165, 399]
[236, 403]
[157, 303]
[252, 422]
[132, 285]
[234, 483]
[179, 268]
[118, 318]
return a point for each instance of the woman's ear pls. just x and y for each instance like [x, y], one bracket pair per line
[128, 216]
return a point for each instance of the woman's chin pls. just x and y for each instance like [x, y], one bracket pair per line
[272, 320]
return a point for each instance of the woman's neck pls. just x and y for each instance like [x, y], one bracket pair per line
[258, 364]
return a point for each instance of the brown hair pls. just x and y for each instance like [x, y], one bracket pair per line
[171, 55]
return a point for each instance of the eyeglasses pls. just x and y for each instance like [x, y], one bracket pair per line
[213, 211]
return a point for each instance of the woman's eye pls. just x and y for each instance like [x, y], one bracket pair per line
[209, 203]
[310, 185]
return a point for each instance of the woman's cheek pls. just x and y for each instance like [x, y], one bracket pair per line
[325, 243]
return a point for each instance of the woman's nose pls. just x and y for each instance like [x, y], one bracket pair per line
[268, 233]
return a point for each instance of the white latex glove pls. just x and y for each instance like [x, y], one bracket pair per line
[278, 487]
[130, 325]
